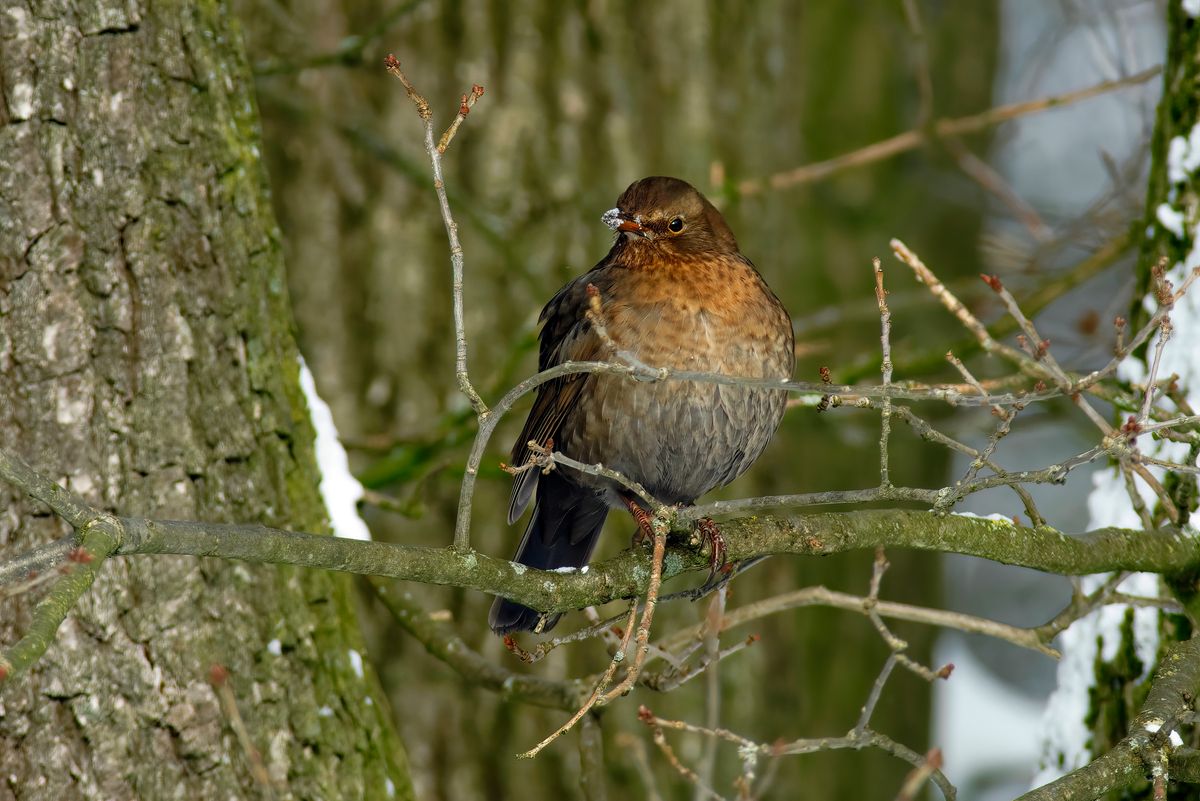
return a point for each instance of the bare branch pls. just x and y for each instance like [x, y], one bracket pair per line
[910, 140]
[1172, 695]
[456, 252]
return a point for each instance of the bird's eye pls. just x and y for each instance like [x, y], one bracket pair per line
[675, 225]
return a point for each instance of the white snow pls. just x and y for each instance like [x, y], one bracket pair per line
[340, 490]
[1183, 154]
[993, 516]
[1170, 219]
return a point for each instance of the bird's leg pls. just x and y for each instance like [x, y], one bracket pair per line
[513, 647]
[645, 529]
[709, 533]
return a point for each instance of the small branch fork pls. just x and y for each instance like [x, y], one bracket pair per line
[435, 151]
[861, 735]
[74, 562]
[927, 767]
[1034, 358]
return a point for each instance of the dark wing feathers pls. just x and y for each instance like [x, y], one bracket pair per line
[566, 336]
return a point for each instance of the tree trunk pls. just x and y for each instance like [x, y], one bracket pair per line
[1172, 226]
[147, 359]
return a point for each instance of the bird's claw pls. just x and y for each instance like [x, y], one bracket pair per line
[710, 534]
[645, 526]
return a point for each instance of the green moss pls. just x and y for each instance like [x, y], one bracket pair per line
[1178, 113]
[1109, 711]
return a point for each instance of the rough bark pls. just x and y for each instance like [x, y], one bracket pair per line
[146, 357]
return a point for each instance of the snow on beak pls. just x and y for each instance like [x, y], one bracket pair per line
[618, 221]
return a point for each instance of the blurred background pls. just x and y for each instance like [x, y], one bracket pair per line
[584, 97]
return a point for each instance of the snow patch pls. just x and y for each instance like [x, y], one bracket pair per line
[356, 662]
[339, 489]
[1183, 154]
[1170, 219]
[999, 518]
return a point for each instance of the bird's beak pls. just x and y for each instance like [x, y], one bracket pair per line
[619, 221]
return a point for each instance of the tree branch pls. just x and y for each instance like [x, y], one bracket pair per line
[1172, 695]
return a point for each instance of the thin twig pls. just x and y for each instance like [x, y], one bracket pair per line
[456, 252]
[464, 108]
[643, 630]
[987, 177]
[856, 739]
[597, 691]
[687, 773]
[910, 140]
[218, 677]
[712, 690]
[920, 56]
[919, 775]
[637, 750]
[885, 347]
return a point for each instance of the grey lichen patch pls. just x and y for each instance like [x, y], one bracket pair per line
[468, 560]
[50, 328]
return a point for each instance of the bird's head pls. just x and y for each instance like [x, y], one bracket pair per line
[669, 215]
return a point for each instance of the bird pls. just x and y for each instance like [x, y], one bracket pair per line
[675, 292]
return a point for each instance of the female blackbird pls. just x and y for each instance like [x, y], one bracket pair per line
[676, 293]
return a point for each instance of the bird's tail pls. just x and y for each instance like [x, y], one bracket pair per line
[562, 532]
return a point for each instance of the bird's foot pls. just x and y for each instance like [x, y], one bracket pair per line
[514, 648]
[645, 529]
[710, 534]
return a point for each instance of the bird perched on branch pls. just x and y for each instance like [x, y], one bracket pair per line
[675, 292]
